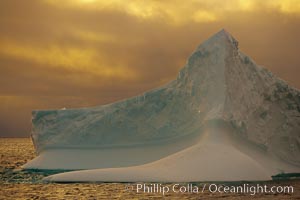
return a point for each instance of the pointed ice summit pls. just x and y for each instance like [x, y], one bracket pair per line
[224, 118]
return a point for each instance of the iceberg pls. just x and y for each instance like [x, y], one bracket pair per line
[224, 118]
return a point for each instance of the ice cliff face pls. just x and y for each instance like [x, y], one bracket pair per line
[218, 82]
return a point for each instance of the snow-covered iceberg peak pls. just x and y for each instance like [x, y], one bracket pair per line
[220, 39]
[204, 75]
[218, 84]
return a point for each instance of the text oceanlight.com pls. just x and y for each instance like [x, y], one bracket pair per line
[246, 188]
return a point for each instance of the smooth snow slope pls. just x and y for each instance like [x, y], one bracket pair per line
[218, 83]
[218, 155]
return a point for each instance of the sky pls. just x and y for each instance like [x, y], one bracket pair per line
[77, 53]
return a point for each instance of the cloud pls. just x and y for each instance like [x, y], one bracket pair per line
[177, 12]
[77, 53]
[287, 6]
[73, 58]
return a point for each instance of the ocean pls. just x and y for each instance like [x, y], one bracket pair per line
[16, 183]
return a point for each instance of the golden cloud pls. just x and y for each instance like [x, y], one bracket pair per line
[72, 58]
[178, 12]
[96, 51]
[287, 6]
